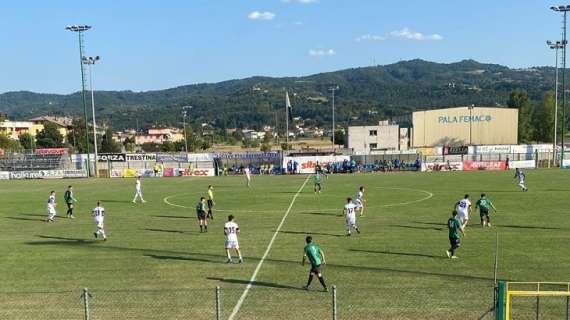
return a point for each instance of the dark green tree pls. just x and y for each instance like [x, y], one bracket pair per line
[519, 99]
[8, 144]
[542, 119]
[27, 141]
[49, 137]
[108, 144]
[339, 137]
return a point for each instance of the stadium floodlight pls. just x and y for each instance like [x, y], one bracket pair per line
[555, 46]
[80, 29]
[90, 61]
[184, 114]
[564, 10]
[333, 89]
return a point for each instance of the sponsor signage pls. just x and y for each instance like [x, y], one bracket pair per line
[141, 157]
[448, 150]
[442, 166]
[195, 157]
[112, 157]
[4, 175]
[172, 157]
[307, 164]
[566, 163]
[75, 173]
[493, 149]
[250, 155]
[464, 119]
[484, 165]
[55, 151]
[37, 174]
[523, 164]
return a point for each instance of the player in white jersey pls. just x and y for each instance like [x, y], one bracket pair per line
[51, 206]
[231, 231]
[359, 200]
[463, 208]
[138, 191]
[520, 176]
[99, 216]
[350, 215]
[247, 173]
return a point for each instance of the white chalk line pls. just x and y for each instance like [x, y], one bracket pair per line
[254, 276]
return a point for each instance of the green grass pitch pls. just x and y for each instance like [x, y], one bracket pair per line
[156, 265]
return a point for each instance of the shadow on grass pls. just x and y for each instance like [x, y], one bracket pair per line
[25, 219]
[116, 201]
[529, 227]
[256, 283]
[417, 227]
[316, 213]
[34, 215]
[74, 242]
[167, 231]
[409, 254]
[431, 223]
[186, 258]
[173, 217]
[313, 233]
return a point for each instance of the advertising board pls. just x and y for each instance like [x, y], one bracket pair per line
[36, 174]
[75, 173]
[141, 156]
[307, 164]
[54, 151]
[442, 166]
[4, 175]
[483, 165]
[523, 164]
[112, 157]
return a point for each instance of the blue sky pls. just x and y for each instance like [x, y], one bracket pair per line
[150, 45]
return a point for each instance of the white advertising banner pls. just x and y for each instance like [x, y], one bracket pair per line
[75, 173]
[307, 164]
[37, 174]
[566, 163]
[208, 172]
[4, 175]
[493, 149]
[195, 157]
[442, 166]
[524, 164]
[141, 156]
[532, 148]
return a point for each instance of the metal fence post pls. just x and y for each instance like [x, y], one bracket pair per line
[218, 305]
[334, 313]
[86, 303]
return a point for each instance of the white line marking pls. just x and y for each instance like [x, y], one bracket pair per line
[429, 196]
[173, 204]
[254, 276]
[166, 200]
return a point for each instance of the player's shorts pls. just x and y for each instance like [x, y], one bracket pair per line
[201, 215]
[350, 221]
[483, 212]
[231, 245]
[69, 205]
[210, 204]
[315, 269]
[454, 242]
[318, 185]
[462, 216]
[51, 210]
[99, 223]
[358, 203]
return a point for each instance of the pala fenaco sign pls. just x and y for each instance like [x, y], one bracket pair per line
[464, 119]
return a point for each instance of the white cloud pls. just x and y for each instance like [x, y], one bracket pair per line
[298, 23]
[406, 33]
[321, 52]
[369, 37]
[257, 15]
[300, 1]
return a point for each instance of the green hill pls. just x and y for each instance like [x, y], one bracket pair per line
[366, 94]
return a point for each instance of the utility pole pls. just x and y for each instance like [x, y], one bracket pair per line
[184, 114]
[80, 29]
[90, 61]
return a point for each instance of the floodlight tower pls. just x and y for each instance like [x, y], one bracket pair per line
[564, 10]
[333, 90]
[80, 29]
[556, 46]
[90, 61]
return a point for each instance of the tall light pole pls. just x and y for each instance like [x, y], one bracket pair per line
[184, 114]
[80, 29]
[90, 61]
[556, 46]
[564, 10]
[470, 123]
[333, 89]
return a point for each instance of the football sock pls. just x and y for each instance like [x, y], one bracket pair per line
[201, 228]
[322, 281]
[310, 280]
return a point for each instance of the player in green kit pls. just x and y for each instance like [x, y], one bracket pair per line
[317, 181]
[316, 256]
[202, 215]
[484, 204]
[454, 226]
[69, 200]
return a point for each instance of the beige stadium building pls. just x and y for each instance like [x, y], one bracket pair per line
[465, 126]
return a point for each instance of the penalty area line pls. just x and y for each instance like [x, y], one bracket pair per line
[256, 271]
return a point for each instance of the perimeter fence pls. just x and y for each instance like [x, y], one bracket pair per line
[264, 301]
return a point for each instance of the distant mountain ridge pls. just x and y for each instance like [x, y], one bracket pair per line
[366, 95]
